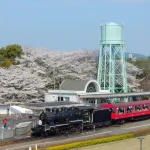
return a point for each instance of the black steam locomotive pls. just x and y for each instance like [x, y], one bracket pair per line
[73, 119]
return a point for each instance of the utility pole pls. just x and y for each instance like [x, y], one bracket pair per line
[10, 105]
[54, 78]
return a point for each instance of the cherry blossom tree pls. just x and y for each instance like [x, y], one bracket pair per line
[39, 68]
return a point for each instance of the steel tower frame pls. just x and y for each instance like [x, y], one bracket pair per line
[111, 68]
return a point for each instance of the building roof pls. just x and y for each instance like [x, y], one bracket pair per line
[17, 109]
[74, 85]
[41, 106]
[132, 103]
[112, 23]
[84, 108]
[23, 124]
[114, 95]
[47, 104]
[77, 85]
[125, 104]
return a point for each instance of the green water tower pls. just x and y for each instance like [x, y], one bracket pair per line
[111, 69]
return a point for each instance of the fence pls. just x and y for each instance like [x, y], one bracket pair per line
[6, 134]
[17, 131]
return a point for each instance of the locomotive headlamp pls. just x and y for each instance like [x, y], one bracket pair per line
[40, 122]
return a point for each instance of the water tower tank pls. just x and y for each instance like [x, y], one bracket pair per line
[111, 33]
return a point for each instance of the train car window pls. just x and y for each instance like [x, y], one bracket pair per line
[85, 115]
[120, 110]
[145, 107]
[129, 109]
[138, 108]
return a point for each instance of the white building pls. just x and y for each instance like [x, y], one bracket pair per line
[130, 56]
[70, 90]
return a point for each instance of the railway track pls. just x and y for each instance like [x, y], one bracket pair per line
[32, 139]
[19, 141]
[63, 136]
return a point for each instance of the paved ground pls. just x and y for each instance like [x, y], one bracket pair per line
[108, 131]
[130, 144]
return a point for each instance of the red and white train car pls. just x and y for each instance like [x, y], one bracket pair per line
[129, 110]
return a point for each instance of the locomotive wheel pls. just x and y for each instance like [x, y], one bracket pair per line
[42, 134]
[45, 135]
[57, 132]
[77, 129]
[80, 129]
[72, 129]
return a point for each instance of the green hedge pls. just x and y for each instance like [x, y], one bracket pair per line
[91, 142]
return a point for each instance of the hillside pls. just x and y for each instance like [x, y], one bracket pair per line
[38, 68]
[135, 55]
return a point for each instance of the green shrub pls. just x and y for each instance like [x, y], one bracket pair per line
[91, 142]
[6, 63]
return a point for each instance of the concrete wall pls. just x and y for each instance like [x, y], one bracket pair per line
[6, 134]
[51, 97]
[23, 128]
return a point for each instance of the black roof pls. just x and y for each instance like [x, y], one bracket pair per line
[45, 104]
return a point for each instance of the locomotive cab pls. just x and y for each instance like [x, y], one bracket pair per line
[85, 113]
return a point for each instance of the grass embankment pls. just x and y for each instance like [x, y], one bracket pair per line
[68, 146]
